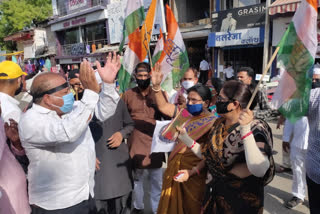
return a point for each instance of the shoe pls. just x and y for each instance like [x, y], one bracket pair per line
[293, 202]
[282, 169]
[137, 211]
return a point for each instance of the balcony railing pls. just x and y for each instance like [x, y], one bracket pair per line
[64, 8]
[80, 49]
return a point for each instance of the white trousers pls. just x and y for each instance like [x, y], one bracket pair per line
[286, 158]
[155, 180]
[299, 185]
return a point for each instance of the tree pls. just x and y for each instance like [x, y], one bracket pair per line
[19, 14]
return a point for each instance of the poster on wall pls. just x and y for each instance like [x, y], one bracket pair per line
[77, 4]
[239, 18]
[115, 21]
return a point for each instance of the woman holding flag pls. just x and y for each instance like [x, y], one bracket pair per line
[185, 197]
[237, 153]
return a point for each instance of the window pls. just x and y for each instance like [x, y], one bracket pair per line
[94, 32]
[72, 36]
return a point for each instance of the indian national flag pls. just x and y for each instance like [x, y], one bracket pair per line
[157, 54]
[174, 58]
[296, 55]
[138, 39]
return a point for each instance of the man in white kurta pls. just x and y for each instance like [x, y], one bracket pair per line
[299, 131]
[58, 140]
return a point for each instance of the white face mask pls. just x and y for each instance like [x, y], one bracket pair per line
[187, 84]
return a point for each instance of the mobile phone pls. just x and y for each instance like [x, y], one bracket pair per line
[179, 175]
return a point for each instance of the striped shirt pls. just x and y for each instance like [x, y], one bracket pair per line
[313, 154]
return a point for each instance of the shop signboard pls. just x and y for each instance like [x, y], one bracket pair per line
[77, 4]
[239, 18]
[238, 37]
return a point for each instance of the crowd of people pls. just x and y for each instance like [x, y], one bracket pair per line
[81, 148]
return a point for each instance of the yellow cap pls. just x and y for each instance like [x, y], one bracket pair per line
[10, 70]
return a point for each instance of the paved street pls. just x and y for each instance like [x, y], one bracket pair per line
[279, 190]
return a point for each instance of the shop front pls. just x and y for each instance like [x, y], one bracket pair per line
[237, 38]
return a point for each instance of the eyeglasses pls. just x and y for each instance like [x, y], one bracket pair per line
[193, 101]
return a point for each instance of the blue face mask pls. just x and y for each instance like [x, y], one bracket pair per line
[68, 101]
[194, 109]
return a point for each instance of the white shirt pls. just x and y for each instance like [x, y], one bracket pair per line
[10, 108]
[300, 132]
[204, 65]
[229, 72]
[61, 151]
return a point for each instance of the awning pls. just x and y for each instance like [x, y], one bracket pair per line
[12, 54]
[283, 6]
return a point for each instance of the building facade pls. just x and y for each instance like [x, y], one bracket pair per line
[237, 36]
[81, 30]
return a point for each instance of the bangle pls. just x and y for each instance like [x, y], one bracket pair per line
[156, 90]
[243, 137]
[193, 144]
[197, 170]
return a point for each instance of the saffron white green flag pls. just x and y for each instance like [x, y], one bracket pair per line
[296, 55]
[138, 39]
[174, 58]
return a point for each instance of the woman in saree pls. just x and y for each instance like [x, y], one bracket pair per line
[181, 198]
[238, 155]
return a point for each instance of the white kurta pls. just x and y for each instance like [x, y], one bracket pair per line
[61, 150]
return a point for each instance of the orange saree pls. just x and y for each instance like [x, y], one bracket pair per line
[186, 197]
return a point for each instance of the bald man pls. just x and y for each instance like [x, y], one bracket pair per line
[58, 141]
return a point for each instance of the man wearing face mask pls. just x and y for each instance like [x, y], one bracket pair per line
[57, 139]
[142, 108]
[189, 79]
[11, 84]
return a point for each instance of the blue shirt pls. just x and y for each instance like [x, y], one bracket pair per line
[313, 153]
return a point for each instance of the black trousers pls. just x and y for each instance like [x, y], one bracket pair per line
[119, 205]
[203, 77]
[314, 196]
[85, 207]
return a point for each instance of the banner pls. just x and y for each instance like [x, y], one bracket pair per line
[239, 18]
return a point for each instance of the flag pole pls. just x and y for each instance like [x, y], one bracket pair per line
[148, 43]
[263, 74]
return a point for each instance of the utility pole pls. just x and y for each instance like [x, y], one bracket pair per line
[266, 37]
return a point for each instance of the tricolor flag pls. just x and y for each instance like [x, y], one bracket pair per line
[174, 59]
[296, 54]
[138, 39]
[157, 54]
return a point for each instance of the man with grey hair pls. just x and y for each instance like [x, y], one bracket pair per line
[58, 140]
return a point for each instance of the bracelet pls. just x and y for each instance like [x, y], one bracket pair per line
[193, 144]
[243, 137]
[197, 170]
[156, 90]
